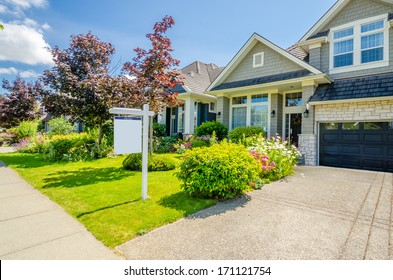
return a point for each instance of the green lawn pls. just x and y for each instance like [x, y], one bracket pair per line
[105, 198]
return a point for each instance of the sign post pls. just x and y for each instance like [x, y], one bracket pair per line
[145, 114]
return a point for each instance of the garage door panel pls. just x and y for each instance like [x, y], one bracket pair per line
[368, 147]
[331, 137]
[376, 151]
[349, 150]
[351, 137]
[372, 138]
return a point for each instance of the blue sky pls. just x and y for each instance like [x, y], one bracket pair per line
[209, 31]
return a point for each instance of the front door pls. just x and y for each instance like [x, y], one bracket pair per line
[293, 127]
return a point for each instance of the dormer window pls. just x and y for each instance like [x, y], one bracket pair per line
[360, 45]
[258, 60]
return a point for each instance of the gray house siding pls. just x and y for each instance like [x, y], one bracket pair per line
[223, 110]
[274, 63]
[355, 10]
[276, 122]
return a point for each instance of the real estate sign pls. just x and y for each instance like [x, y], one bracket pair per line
[127, 135]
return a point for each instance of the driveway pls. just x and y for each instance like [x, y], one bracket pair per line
[319, 213]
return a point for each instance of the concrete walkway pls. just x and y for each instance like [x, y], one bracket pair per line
[320, 213]
[35, 228]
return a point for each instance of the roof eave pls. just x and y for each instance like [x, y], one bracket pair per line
[320, 79]
[309, 44]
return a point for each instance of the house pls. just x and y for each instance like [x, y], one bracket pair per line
[200, 107]
[331, 94]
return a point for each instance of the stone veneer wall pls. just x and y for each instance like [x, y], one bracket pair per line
[308, 148]
[355, 111]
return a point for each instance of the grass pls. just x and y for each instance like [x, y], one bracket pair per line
[105, 198]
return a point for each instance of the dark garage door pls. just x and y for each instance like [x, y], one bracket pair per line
[360, 145]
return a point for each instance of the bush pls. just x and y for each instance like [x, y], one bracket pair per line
[207, 128]
[156, 163]
[59, 126]
[26, 130]
[159, 130]
[238, 134]
[276, 158]
[163, 145]
[221, 171]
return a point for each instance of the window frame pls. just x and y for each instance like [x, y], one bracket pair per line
[262, 55]
[357, 37]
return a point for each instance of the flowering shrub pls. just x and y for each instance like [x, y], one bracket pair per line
[276, 158]
[223, 170]
[239, 134]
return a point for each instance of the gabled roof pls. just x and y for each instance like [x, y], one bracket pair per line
[329, 15]
[264, 80]
[372, 86]
[198, 76]
[254, 39]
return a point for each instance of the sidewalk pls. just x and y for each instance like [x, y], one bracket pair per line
[33, 227]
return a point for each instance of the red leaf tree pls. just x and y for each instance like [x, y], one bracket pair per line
[152, 71]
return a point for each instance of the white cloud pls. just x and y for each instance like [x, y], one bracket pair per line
[24, 74]
[26, 4]
[29, 74]
[8, 71]
[24, 44]
[3, 9]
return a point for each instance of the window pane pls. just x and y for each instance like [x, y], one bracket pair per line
[239, 117]
[293, 99]
[372, 41]
[343, 47]
[372, 26]
[343, 60]
[239, 100]
[259, 116]
[330, 126]
[373, 126]
[390, 126]
[372, 55]
[259, 98]
[351, 126]
[343, 33]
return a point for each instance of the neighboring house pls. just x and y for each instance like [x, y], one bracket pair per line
[197, 107]
[331, 94]
[78, 126]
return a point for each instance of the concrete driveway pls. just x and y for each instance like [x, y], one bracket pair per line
[319, 213]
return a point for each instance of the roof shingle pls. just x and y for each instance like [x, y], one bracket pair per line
[379, 85]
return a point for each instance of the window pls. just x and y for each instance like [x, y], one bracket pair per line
[330, 126]
[212, 107]
[250, 111]
[350, 126]
[293, 99]
[258, 59]
[373, 126]
[360, 45]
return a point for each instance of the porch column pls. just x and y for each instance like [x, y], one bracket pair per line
[223, 110]
[189, 111]
[308, 138]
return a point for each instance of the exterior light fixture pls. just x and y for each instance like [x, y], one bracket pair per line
[273, 113]
[307, 112]
[219, 114]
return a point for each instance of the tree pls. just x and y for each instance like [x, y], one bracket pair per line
[20, 103]
[1, 27]
[153, 71]
[79, 85]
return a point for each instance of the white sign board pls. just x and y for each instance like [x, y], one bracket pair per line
[128, 135]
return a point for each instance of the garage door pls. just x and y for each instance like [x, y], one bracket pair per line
[360, 145]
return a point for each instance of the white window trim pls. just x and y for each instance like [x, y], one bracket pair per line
[357, 65]
[248, 106]
[262, 55]
[215, 106]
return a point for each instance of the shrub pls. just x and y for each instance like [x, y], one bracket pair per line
[156, 163]
[159, 130]
[59, 126]
[164, 145]
[207, 129]
[276, 158]
[26, 129]
[238, 134]
[221, 171]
